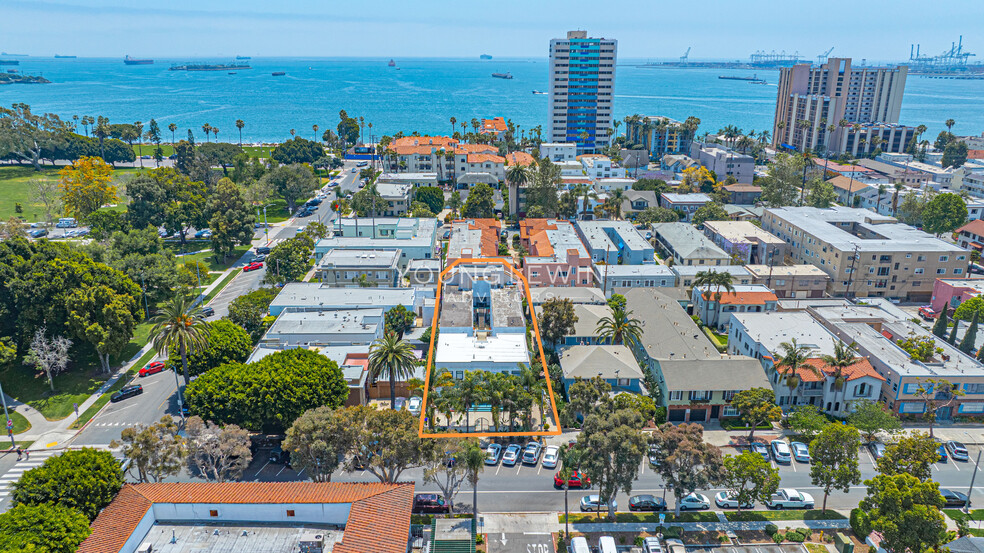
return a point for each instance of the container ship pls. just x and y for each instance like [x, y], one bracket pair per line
[243, 58]
[502, 75]
[485, 57]
[61, 57]
[9, 62]
[134, 61]
[737, 78]
[210, 67]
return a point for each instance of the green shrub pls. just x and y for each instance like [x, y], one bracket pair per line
[621, 540]
[795, 535]
[771, 529]
[777, 537]
[860, 524]
[479, 539]
[638, 541]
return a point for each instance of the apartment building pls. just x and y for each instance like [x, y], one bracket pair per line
[835, 91]
[687, 274]
[791, 281]
[745, 242]
[558, 151]
[949, 293]
[397, 197]
[609, 277]
[743, 194]
[724, 161]
[360, 268]
[416, 238]
[615, 242]
[864, 253]
[659, 135]
[474, 238]
[971, 235]
[472, 160]
[598, 166]
[556, 255]
[409, 179]
[637, 201]
[895, 173]
[688, 204]
[686, 245]
[582, 81]
[716, 312]
[495, 127]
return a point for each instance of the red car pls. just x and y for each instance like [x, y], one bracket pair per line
[577, 480]
[252, 267]
[152, 368]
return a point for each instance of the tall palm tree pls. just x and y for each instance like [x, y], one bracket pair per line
[718, 279]
[315, 129]
[949, 125]
[881, 192]
[516, 176]
[614, 204]
[239, 125]
[215, 133]
[393, 358]
[793, 358]
[842, 358]
[895, 197]
[467, 391]
[293, 132]
[453, 121]
[180, 325]
[172, 127]
[206, 128]
[537, 387]
[586, 193]
[474, 461]
[619, 327]
[570, 462]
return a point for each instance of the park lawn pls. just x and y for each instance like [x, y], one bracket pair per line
[148, 149]
[72, 386]
[957, 514]
[15, 187]
[21, 423]
[792, 514]
[640, 517]
[258, 151]
[208, 258]
[276, 211]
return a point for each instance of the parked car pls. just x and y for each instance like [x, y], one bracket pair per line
[511, 456]
[152, 368]
[304, 213]
[208, 311]
[531, 454]
[252, 266]
[801, 452]
[781, 452]
[430, 503]
[126, 392]
[263, 250]
[414, 404]
[315, 201]
[654, 456]
[958, 451]
[761, 449]
[942, 453]
[694, 501]
[788, 498]
[577, 480]
[877, 450]
[594, 503]
[492, 454]
[646, 503]
[38, 233]
[400, 403]
[551, 456]
[927, 313]
[447, 234]
[280, 457]
[203, 233]
[651, 545]
[724, 500]
[301, 229]
[259, 258]
[953, 498]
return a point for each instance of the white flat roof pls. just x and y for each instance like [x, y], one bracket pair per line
[772, 328]
[454, 347]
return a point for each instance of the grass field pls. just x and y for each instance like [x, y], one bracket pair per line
[640, 517]
[208, 258]
[15, 187]
[258, 151]
[276, 212]
[20, 422]
[148, 149]
[793, 514]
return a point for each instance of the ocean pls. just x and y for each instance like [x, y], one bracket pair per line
[421, 95]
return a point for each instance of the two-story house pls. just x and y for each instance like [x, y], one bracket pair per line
[716, 311]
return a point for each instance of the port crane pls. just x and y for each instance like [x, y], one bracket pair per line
[685, 56]
[822, 58]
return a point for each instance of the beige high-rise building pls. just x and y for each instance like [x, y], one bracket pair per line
[582, 81]
[813, 102]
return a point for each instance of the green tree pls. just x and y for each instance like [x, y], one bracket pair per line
[104, 222]
[871, 418]
[220, 154]
[913, 454]
[43, 528]
[87, 184]
[939, 327]
[387, 442]
[967, 343]
[807, 420]
[656, 185]
[269, 394]
[619, 327]
[944, 213]
[938, 394]
[317, 442]
[968, 309]
[291, 182]
[954, 154]
[83, 479]
[297, 150]
[781, 187]
[400, 320]
[454, 202]
[232, 219]
[289, 260]
[570, 462]
[654, 214]
[446, 468]
[822, 194]
[834, 458]
[218, 452]
[180, 326]
[225, 342]
[617, 448]
[748, 477]
[25, 136]
[249, 310]
[156, 451]
[430, 195]
[393, 358]
[103, 318]
[710, 211]
[906, 512]
[480, 203]
[757, 406]
[556, 319]
[688, 462]
[369, 202]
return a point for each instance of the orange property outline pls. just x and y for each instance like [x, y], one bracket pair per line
[539, 343]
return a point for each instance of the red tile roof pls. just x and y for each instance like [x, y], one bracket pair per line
[741, 298]
[423, 141]
[482, 158]
[975, 154]
[379, 519]
[861, 368]
[974, 227]
[496, 124]
[519, 158]
[490, 229]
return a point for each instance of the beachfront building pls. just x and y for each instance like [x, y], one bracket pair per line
[791, 281]
[416, 238]
[833, 92]
[724, 161]
[558, 151]
[864, 253]
[688, 204]
[686, 245]
[716, 312]
[582, 84]
[354, 268]
[949, 293]
[598, 166]
[657, 134]
[745, 242]
[556, 255]
[615, 242]
[421, 154]
[478, 163]
[474, 238]
[495, 127]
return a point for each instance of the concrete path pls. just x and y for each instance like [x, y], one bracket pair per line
[518, 523]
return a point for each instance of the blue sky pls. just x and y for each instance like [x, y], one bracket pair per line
[716, 29]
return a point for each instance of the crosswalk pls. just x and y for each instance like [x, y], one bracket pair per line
[36, 459]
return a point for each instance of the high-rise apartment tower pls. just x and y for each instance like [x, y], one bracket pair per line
[582, 81]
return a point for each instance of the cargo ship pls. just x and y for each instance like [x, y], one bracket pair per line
[9, 62]
[502, 75]
[279, 73]
[485, 57]
[209, 67]
[737, 78]
[61, 57]
[134, 61]
[243, 58]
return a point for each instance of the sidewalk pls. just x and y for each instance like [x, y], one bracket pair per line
[517, 523]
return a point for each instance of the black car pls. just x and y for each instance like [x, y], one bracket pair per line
[953, 499]
[304, 213]
[263, 250]
[646, 503]
[314, 201]
[208, 311]
[430, 503]
[126, 392]
[280, 457]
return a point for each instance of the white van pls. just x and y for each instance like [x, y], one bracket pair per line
[606, 544]
[579, 545]
[651, 545]
[67, 222]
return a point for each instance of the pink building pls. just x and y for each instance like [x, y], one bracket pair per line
[951, 292]
[556, 255]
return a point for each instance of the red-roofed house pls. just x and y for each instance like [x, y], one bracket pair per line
[556, 255]
[496, 126]
[971, 235]
[749, 298]
[478, 159]
[348, 517]
[832, 389]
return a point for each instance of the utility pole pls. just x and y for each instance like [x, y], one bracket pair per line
[180, 397]
[10, 426]
[266, 227]
[850, 277]
[143, 285]
[970, 490]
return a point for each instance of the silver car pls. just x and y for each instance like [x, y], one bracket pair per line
[594, 503]
[492, 454]
[551, 456]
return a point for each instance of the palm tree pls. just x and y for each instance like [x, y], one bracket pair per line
[949, 125]
[453, 120]
[586, 194]
[793, 358]
[239, 125]
[842, 358]
[206, 128]
[619, 327]
[474, 461]
[315, 129]
[215, 133]
[516, 176]
[881, 192]
[292, 133]
[172, 127]
[467, 390]
[537, 387]
[614, 202]
[570, 462]
[718, 279]
[394, 358]
[895, 197]
[180, 325]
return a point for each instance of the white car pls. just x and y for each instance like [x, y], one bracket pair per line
[694, 502]
[551, 456]
[725, 501]
[492, 454]
[781, 452]
[594, 503]
[788, 498]
[413, 405]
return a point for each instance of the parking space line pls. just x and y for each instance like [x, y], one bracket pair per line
[261, 469]
[498, 468]
[956, 465]
[793, 464]
[519, 466]
[538, 469]
[936, 467]
[282, 469]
